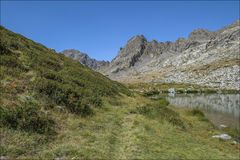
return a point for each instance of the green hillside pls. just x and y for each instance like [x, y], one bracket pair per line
[36, 77]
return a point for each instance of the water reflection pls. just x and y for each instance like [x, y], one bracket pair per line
[219, 108]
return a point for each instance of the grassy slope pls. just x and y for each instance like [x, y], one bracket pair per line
[122, 128]
[35, 81]
[117, 131]
[32, 71]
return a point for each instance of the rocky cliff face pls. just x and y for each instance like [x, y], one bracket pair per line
[85, 59]
[205, 58]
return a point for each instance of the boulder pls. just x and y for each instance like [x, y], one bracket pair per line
[222, 136]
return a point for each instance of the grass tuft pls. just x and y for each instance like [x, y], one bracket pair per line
[159, 110]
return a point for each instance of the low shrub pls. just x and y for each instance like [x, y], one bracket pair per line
[27, 118]
[197, 112]
[11, 62]
[76, 100]
[52, 76]
[96, 101]
[151, 93]
[163, 102]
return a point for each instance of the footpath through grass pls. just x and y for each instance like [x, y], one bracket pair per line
[121, 130]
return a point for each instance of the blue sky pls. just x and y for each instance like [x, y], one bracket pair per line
[100, 28]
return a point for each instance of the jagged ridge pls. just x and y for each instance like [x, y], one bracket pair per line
[182, 61]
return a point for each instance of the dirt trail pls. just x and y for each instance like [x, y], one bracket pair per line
[126, 147]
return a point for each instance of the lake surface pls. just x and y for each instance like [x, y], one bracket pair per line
[218, 108]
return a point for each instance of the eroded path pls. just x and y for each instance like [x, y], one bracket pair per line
[117, 132]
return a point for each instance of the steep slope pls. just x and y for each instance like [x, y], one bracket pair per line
[30, 71]
[84, 59]
[204, 58]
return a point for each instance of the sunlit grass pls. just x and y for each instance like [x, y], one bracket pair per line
[116, 132]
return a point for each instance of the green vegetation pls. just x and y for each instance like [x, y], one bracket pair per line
[149, 89]
[123, 131]
[27, 118]
[53, 107]
[197, 112]
[159, 111]
[28, 67]
[35, 81]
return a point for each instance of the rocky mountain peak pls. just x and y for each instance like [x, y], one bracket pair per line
[129, 55]
[72, 53]
[84, 59]
[201, 35]
[137, 39]
[204, 57]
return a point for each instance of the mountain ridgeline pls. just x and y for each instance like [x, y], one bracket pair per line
[84, 59]
[204, 58]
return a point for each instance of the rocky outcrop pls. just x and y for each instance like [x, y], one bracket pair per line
[205, 58]
[84, 59]
[129, 55]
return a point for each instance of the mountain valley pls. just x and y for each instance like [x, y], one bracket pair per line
[53, 107]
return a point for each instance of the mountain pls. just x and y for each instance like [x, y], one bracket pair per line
[84, 59]
[205, 58]
[52, 107]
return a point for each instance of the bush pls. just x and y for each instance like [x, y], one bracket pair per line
[81, 108]
[11, 62]
[4, 49]
[52, 76]
[197, 112]
[76, 100]
[151, 93]
[160, 111]
[163, 102]
[27, 118]
[96, 101]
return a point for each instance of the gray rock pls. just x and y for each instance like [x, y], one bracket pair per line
[4, 158]
[234, 142]
[222, 126]
[171, 90]
[60, 108]
[222, 136]
[62, 158]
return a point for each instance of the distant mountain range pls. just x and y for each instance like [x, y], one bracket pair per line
[204, 58]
